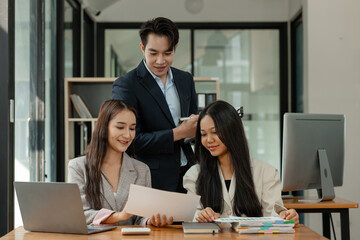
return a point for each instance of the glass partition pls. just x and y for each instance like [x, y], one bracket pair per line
[35, 98]
[247, 64]
[68, 40]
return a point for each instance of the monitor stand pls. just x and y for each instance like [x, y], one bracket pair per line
[326, 192]
[327, 185]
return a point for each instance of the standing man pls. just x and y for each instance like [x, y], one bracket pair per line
[161, 95]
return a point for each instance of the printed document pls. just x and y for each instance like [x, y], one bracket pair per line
[146, 202]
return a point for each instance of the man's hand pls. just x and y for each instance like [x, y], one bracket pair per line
[186, 129]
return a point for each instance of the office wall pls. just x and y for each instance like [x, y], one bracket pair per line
[212, 11]
[332, 85]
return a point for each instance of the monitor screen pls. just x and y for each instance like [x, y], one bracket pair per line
[305, 136]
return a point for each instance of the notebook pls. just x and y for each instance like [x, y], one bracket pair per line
[259, 224]
[53, 207]
[196, 227]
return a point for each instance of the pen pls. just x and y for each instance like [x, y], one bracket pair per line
[184, 118]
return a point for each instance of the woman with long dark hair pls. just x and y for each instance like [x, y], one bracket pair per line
[227, 179]
[105, 173]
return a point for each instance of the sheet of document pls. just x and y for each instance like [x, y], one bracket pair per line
[146, 202]
[232, 219]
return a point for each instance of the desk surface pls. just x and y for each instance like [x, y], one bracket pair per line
[171, 232]
[335, 203]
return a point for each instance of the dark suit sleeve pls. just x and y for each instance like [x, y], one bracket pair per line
[122, 90]
[155, 142]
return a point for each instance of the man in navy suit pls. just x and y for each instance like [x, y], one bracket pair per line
[161, 95]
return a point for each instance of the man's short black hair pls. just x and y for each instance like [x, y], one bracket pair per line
[160, 26]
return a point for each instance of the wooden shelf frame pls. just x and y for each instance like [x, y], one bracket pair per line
[210, 79]
[69, 119]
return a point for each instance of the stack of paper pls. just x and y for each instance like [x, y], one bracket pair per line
[260, 224]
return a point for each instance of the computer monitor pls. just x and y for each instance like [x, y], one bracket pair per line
[313, 152]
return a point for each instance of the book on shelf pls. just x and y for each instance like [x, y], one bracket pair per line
[82, 131]
[201, 101]
[196, 227]
[210, 98]
[204, 99]
[83, 137]
[259, 224]
[80, 106]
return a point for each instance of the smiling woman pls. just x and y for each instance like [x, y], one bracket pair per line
[121, 132]
[105, 173]
[228, 180]
[106, 162]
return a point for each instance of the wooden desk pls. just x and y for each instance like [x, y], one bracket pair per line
[326, 207]
[171, 232]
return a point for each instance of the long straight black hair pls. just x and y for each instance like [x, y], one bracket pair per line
[230, 131]
[97, 149]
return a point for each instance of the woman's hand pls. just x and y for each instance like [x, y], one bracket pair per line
[159, 221]
[117, 217]
[207, 215]
[290, 214]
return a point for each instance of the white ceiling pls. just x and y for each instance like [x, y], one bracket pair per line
[209, 10]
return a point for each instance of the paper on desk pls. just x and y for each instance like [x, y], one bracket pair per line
[232, 219]
[146, 202]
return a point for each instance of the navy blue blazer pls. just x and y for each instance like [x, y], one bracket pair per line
[154, 141]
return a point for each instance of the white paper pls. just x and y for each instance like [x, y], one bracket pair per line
[232, 219]
[146, 202]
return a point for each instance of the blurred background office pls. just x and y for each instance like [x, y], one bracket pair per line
[271, 56]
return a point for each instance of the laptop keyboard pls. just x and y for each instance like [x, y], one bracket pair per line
[93, 228]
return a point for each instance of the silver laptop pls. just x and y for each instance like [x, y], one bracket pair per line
[53, 207]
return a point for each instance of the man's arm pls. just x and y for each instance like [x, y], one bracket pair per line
[187, 128]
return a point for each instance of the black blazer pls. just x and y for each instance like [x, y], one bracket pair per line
[154, 142]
